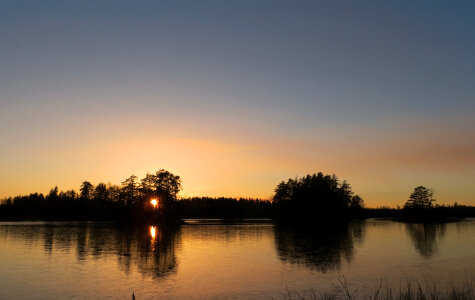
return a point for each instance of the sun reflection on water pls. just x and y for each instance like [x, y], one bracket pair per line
[153, 232]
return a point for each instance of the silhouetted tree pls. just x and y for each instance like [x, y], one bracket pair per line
[166, 184]
[421, 198]
[85, 192]
[53, 194]
[101, 192]
[113, 192]
[147, 185]
[130, 191]
[356, 202]
[70, 195]
[162, 185]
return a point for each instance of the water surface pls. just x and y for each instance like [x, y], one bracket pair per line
[204, 261]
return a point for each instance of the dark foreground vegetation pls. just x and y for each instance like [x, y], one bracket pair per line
[384, 290]
[154, 198]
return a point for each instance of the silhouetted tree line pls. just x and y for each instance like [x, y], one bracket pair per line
[128, 202]
[320, 197]
[315, 198]
[227, 208]
[309, 199]
[421, 207]
[64, 205]
[435, 213]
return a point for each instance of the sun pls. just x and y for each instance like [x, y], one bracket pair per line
[154, 202]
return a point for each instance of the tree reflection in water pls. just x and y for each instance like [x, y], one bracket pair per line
[134, 247]
[322, 249]
[152, 251]
[425, 236]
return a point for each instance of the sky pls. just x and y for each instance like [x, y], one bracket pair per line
[236, 96]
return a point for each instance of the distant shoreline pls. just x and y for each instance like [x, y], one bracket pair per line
[238, 221]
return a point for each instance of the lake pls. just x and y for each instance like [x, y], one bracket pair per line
[213, 260]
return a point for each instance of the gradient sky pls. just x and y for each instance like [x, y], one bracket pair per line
[236, 96]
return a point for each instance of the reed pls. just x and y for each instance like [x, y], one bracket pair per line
[382, 290]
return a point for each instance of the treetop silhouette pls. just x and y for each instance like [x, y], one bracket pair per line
[420, 198]
[315, 197]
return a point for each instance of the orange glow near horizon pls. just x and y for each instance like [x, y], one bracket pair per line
[381, 170]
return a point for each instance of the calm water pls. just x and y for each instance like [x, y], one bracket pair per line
[250, 261]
